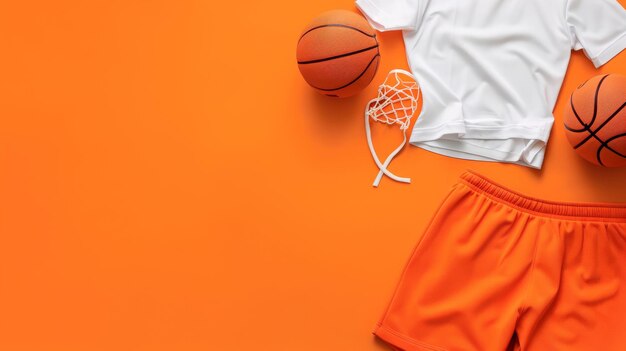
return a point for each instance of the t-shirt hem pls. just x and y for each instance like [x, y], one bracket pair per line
[433, 133]
[377, 18]
[611, 51]
[467, 130]
[476, 153]
[373, 14]
[459, 146]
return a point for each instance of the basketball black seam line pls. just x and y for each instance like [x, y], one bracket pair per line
[595, 103]
[377, 47]
[605, 144]
[336, 25]
[588, 126]
[595, 132]
[613, 138]
[574, 130]
[595, 109]
[582, 85]
[598, 156]
[585, 127]
[338, 56]
[353, 81]
[357, 78]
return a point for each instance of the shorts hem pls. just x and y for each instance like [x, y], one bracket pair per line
[402, 341]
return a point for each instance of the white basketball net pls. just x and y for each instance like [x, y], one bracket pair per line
[396, 103]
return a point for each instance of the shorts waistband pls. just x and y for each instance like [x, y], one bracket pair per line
[608, 211]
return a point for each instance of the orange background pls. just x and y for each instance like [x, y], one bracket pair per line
[169, 182]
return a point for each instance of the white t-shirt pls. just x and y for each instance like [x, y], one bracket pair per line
[491, 70]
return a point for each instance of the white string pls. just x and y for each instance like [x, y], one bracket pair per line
[396, 103]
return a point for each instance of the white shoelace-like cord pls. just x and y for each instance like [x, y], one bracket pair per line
[394, 116]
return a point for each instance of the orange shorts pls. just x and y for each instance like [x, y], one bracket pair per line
[497, 271]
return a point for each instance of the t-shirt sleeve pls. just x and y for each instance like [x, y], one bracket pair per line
[391, 14]
[598, 27]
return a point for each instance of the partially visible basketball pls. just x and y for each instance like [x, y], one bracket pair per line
[595, 120]
[338, 53]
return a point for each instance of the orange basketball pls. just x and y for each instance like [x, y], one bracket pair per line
[338, 53]
[595, 120]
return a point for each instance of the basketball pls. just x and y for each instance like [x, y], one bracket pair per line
[595, 120]
[338, 53]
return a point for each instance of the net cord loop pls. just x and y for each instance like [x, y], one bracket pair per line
[396, 103]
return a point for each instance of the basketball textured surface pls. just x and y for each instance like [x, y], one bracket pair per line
[595, 120]
[169, 181]
[338, 53]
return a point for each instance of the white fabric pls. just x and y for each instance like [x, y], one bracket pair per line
[396, 103]
[491, 70]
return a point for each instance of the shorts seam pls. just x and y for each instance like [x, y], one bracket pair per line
[416, 250]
